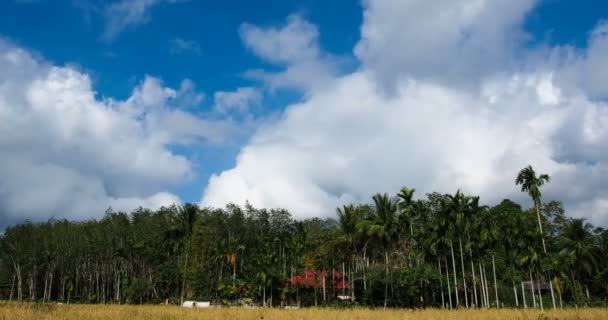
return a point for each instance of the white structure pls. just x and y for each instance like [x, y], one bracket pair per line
[196, 304]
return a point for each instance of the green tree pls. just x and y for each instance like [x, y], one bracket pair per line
[531, 183]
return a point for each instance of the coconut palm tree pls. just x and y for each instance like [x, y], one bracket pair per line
[578, 249]
[382, 224]
[531, 184]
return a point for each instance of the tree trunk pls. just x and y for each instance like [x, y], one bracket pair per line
[523, 295]
[474, 281]
[447, 275]
[19, 283]
[12, 287]
[441, 283]
[352, 282]
[495, 284]
[485, 280]
[386, 279]
[540, 297]
[515, 293]
[532, 289]
[542, 235]
[455, 281]
[46, 282]
[464, 278]
[264, 295]
[50, 287]
[181, 300]
[481, 291]
[344, 275]
[324, 279]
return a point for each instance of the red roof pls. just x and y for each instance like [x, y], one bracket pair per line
[308, 279]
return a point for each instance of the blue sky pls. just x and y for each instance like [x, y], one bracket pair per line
[213, 44]
[72, 34]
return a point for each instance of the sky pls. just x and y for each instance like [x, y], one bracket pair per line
[305, 105]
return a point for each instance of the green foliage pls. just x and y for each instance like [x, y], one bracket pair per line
[395, 251]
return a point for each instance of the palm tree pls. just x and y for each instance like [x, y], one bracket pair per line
[382, 224]
[407, 213]
[456, 211]
[474, 213]
[348, 217]
[578, 248]
[405, 197]
[531, 184]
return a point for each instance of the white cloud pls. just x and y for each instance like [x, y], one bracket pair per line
[125, 14]
[465, 111]
[293, 46]
[445, 40]
[239, 100]
[66, 153]
[179, 45]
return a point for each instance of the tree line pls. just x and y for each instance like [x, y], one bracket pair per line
[441, 250]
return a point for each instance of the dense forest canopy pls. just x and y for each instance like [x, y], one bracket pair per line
[442, 250]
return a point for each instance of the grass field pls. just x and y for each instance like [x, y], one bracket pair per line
[16, 311]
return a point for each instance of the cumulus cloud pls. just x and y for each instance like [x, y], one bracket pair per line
[446, 41]
[238, 101]
[293, 46]
[66, 153]
[467, 110]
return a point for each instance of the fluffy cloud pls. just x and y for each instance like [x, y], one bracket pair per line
[446, 41]
[293, 46]
[239, 100]
[464, 111]
[66, 153]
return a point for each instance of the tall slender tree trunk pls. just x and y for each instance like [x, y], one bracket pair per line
[46, 278]
[532, 289]
[481, 287]
[523, 295]
[323, 283]
[12, 287]
[447, 276]
[542, 234]
[495, 284]
[464, 278]
[344, 275]
[441, 283]
[540, 296]
[552, 294]
[181, 300]
[351, 273]
[485, 278]
[455, 281]
[386, 279]
[474, 280]
[50, 287]
[19, 283]
[515, 293]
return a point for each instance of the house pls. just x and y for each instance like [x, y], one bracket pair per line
[310, 279]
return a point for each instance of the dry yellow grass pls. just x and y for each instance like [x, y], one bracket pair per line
[26, 311]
